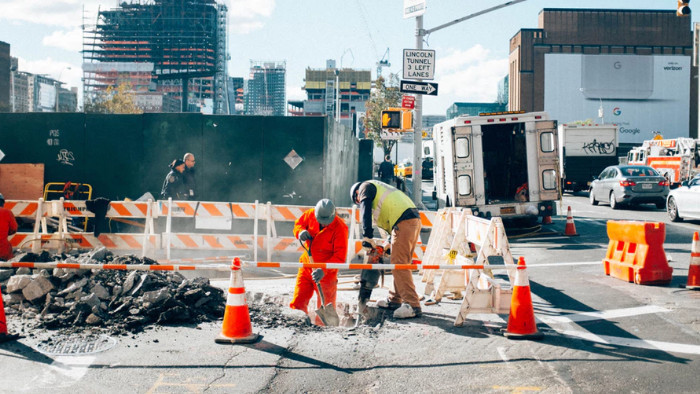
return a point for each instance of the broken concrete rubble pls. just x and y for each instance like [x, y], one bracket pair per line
[113, 301]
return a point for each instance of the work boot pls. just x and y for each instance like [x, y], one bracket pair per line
[386, 304]
[406, 312]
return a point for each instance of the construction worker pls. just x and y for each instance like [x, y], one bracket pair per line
[394, 212]
[189, 177]
[174, 185]
[326, 235]
[8, 226]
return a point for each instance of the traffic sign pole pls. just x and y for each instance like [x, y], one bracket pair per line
[417, 129]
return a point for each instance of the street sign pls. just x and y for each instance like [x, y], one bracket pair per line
[418, 63]
[413, 8]
[417, 87]
[408, 102]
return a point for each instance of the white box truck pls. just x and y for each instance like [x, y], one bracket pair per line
[584, 151]
[500, 164]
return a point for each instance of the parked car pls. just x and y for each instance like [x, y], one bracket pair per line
[629, 185]
[404, 169]
[427, 168]
[684, 201]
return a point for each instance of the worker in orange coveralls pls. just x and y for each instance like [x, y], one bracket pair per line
[326, 236]
[8, 226]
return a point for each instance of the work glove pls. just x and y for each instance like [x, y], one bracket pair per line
[368, 244]
[317, 275]
[305, 236]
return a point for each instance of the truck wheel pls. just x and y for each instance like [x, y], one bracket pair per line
[672, 210]
[591, 197]
[613, 204]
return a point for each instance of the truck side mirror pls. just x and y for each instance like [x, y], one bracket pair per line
[434, 194]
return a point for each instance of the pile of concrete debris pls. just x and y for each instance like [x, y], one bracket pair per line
[117, 301]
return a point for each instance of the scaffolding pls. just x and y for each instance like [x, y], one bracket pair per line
[182, 41]
[266, 88]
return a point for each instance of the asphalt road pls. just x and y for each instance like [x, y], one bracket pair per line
[601, 335]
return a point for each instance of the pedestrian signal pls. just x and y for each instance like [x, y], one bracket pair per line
[683, 8]
[391, 119]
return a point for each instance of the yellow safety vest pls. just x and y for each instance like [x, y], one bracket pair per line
[388, 205]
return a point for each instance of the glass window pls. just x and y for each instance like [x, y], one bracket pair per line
[549, 180]
[464, 185]
[462, 147]
[547, 142]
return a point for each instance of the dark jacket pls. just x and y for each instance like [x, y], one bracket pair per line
[174, 186]
[386, 171]
[190, 182]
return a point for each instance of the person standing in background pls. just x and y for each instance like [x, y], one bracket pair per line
[189, 177]
[386, 170]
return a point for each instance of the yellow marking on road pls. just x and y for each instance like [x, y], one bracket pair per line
[518, 389]
[190, 386]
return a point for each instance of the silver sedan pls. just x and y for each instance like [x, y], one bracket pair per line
[629, 185]
[684, 202]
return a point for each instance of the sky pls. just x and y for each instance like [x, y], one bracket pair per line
[471, 56]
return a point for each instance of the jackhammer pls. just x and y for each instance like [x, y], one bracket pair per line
[369, 278]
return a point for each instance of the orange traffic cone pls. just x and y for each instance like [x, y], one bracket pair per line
[521, 321]
[4, 336]
[236, 327]
[694, 268]
[570, 229]
[546, 219]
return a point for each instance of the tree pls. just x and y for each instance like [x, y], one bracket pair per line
[385, 94]
[114, 101]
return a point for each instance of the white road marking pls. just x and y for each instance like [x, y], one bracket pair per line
[602, 315]
[63, 372]
[631, 342]
[502, 353]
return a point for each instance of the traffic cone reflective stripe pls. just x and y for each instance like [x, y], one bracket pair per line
[4, 336]
[694, 268]
[521, 321]
[236, 327]
[570, 229]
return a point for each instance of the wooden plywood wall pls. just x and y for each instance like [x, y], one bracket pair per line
[22, 181]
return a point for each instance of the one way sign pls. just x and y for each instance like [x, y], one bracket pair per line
[429, 88]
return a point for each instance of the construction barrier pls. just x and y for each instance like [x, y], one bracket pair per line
[204, 215]
[460, 238]
[636, 252]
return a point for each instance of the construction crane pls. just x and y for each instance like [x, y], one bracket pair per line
[383, 63]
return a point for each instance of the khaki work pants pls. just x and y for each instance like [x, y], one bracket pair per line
[404, 238]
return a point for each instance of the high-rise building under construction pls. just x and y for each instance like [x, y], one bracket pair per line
[266, 94]
[164, 49]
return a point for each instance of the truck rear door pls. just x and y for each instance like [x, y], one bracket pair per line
[464, 166]
[547, 160]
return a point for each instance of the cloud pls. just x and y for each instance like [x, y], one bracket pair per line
[64, 13]
[246, 16]
[66, 72]
[470, 75]
[295, 93]
[70, 40]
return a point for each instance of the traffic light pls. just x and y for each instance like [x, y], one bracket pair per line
[391, 119]
[683, 8]
[407, 120]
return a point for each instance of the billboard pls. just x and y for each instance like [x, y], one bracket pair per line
[640, 93]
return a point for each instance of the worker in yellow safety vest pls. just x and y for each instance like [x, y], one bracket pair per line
[394, 212]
